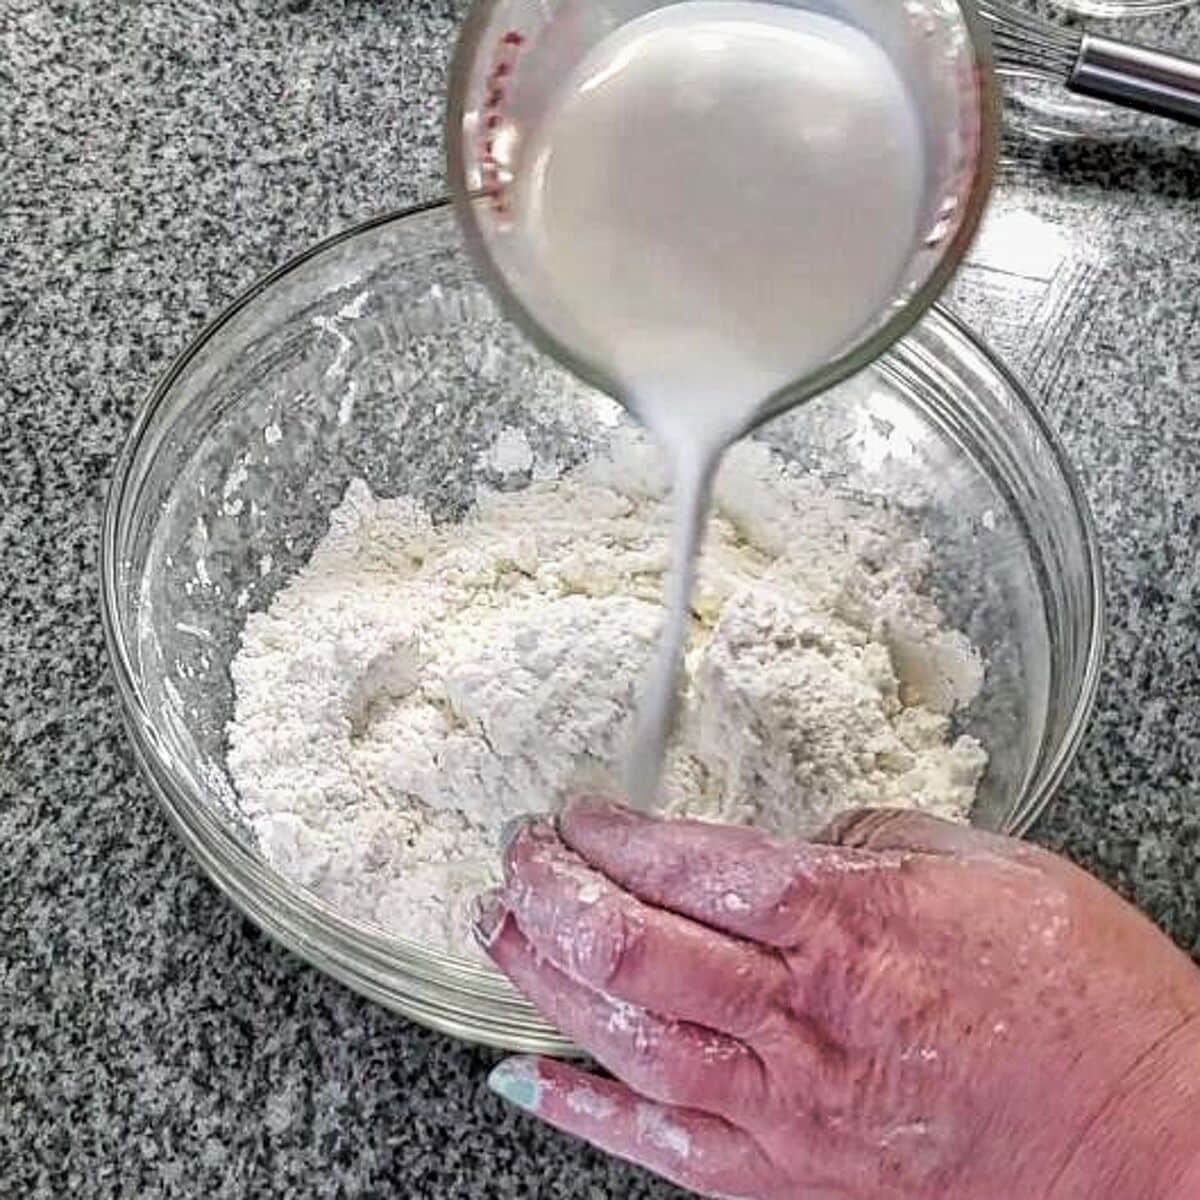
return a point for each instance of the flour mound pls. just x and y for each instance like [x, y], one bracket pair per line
[413, 687]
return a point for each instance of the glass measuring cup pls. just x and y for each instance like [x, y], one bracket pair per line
[514, 55]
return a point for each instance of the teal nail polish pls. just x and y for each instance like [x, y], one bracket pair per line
[516, 1081]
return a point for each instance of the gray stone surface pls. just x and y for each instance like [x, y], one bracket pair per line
[154, 159]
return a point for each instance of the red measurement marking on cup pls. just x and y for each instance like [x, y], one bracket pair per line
[508, 50]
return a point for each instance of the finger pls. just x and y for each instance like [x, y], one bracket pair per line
[608, 939]
[696, 1150]
[731, 878]
[906, 829]
[671, 1061]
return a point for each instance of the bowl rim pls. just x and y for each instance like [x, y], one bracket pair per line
[401, 974]
[1068, 747]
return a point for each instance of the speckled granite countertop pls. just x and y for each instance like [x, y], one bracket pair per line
[154, 159]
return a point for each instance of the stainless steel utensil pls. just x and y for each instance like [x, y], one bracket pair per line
[1105, 68]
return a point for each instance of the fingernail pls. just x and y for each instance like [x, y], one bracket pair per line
[583, 802]
[516, 1080]
[586, 805]
[512, 827]
[576, 804]
[487, 917]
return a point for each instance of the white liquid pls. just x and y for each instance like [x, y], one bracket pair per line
[724, 196]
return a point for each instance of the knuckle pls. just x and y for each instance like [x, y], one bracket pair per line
[868, 828]
[606, 943]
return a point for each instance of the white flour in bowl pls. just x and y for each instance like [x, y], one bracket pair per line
[415, 686]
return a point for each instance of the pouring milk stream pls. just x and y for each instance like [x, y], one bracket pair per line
[719, 198]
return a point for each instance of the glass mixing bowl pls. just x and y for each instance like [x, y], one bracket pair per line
[378, 354]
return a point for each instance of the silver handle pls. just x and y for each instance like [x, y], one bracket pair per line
[1149, 80]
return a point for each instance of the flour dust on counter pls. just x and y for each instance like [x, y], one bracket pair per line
[415, 685]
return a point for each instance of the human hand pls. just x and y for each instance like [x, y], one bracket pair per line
[903, 1008]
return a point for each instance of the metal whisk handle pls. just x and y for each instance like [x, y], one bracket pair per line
[1137, 78]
